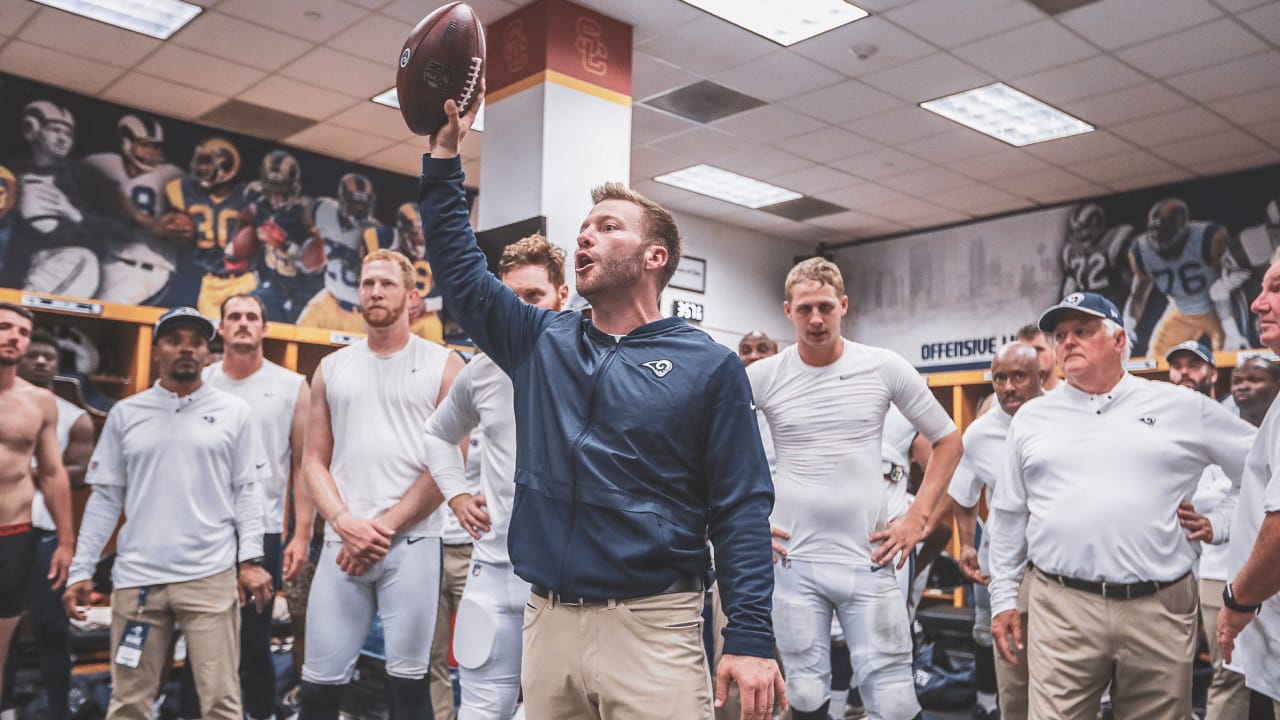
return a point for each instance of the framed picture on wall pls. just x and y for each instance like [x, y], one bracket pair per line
[691, 274]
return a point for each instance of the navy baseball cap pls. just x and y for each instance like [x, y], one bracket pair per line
[1195, 347]
[1084, 302]
[183, 316]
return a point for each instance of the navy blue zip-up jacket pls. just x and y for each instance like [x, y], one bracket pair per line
[629, 454]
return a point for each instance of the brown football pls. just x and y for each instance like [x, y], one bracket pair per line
[442, 58]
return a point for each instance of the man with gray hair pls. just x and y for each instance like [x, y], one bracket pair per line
[1086, 506]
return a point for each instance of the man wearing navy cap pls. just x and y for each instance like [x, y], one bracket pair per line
[1086, 504]
[177, 556]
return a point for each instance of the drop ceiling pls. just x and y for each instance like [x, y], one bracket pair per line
[1177, 89]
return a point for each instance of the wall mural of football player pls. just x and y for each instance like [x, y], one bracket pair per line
[207, 204]
[277, 227]
[424, 317]
[1095, 258]
[137, 269]
[350, 232]
[1197, 267]
[8, 200]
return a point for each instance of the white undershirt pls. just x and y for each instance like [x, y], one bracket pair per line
[827, 423]
[1092, 483]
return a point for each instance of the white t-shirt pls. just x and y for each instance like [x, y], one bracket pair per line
[1092, 483]
[1258, 647]
[827, 423]
[377, 409]
[482, 397]
[182, 461]
[68, 414]
[895, 449]
[1214, 489]
[984, 456]
[272, 393]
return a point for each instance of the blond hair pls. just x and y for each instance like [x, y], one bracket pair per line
[815, 269]
[657, 225]
[406, 268]
[537, 251]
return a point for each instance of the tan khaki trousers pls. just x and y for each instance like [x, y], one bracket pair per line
[1080, 641]
[1228, 696]
[1012, 680]
[453, 578]
[638, 659]
[208, 612]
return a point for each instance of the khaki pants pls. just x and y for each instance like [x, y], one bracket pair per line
[1012, 680]
[1080, 641]
[208, 612]
[453, 578]
[639, 659]
[1228, 696]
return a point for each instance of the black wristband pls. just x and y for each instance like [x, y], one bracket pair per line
[253, 561]
[1229, 601]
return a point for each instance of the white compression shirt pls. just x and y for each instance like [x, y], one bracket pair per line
[827, 423]
[895, 449]
[272, 392]
[483, 397]
[377, 408]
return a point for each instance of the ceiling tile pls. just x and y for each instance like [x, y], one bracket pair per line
[209, 33]
[1201, 46]
[929, 220]
[951, 146]
[647, 162]
[1251, 107]
[1036, 184]
[1028, 49]
[1147, 180]
[651, 76]
[1002, 163]
[1068, 194]
[1242, 162]
[371, 117]
[1233, 78]
[905, 210]
[700, 145]
[55, 68]
[1191, 153]
[300, 98]
[1168, 127]
[647, 19]
[1114, 167]
[880, 164]
[848, 221]
[704, 206]
[948, 23]
[1269, 131]
[926, 181]
[1241, 5]
[828, 144]
[648, 124]
[1092, 77]
[762, 163]
[778, 75]
[403, 159]
[815, 179]
[161, 96]
[846, 101]
[1264, 20]
[340, 142]
[861, 195]
[1117, 107]
[15, 12]
[902, 125]
[766, 122]
[1079, 147]
[86, 38]
[341, 72]
[880, 44]
[314, 20]
[879, 6]
[1112, 24]
[377, 38]
[707, 45]
[200, 71]
[976, 199]
[928, 78]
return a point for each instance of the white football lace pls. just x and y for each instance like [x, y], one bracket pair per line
[473, 82]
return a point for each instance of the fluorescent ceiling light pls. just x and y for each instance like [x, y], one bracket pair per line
[391, 99]
[1007, 114]
[785, 23]
[157, 18]
[728, 186]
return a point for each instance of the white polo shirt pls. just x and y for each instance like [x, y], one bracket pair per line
[68, 414]
[827, 424]
[984, 455]
[272, 394]
[189, 468]
[378, 406]
[482, 397]
[1258, 647]
[1092, 483]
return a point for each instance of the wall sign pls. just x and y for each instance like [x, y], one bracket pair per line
[691, 275]
[688, 311]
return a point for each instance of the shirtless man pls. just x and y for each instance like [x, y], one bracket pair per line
[28, 428]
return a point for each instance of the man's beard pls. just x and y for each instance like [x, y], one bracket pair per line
[612, 274]
[391, 315]
[184, 376]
